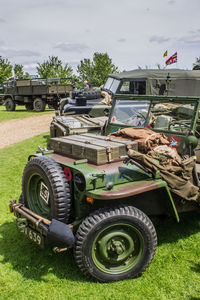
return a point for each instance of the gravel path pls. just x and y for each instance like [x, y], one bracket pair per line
[14, 131]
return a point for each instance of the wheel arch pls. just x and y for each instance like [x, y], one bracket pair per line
[8, 96]
[153, 202]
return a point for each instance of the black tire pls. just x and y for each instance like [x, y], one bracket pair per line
[10, 104]
[92, 94]
[29, 106]
[45, 189]
[39, 105]
[53, 105]
[86, 94]
[115, 244]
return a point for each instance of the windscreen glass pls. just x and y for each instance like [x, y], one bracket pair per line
[172, 116]
[161, 116]
[111, 85]
[130, 113]
[108, 83]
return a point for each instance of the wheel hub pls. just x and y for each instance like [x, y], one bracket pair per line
[38, 196]
[116, 246]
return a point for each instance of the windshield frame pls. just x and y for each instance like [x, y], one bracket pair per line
[110, 85]
[158, 99]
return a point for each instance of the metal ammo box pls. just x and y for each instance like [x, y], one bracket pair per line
[96, 149]
[77, 124]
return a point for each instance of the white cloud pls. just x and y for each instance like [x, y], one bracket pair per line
[71, 47]
[14, 52]
[171, 1]
[132, 33]
[122, 40]
[159, 39]
[28, 66]
[192, 38]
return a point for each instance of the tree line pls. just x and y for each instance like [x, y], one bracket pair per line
[94, 70]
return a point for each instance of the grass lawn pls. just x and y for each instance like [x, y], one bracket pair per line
[20, 112]
[27, 272]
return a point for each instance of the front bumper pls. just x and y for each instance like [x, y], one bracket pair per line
[40, 230]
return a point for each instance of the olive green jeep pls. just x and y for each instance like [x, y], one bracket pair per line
[86, 193]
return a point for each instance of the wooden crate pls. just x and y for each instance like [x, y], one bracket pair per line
[96, 149]
[122, 150]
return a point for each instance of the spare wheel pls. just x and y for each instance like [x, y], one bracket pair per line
[45, 189]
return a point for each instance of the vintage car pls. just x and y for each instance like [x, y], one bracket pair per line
[98, 193]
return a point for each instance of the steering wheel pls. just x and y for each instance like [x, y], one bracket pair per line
[181, 123]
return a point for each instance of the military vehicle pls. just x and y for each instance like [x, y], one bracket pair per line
[35, 93]
[93, 102]
[150, 82]
[175, 82]
[88, 193]
[196, 67]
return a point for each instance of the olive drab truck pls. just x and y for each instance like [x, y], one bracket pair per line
[98, 193]
[35, 93]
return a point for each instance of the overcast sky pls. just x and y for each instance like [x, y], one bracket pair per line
[133, 33]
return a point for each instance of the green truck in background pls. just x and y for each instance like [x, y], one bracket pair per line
[172, 82]
[35, 93]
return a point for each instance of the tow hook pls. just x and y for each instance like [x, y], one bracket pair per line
[59, 250]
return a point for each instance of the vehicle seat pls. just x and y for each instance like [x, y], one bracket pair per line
[162, 122]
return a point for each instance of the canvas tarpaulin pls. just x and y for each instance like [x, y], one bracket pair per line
[107, 99]
[159, 82]
[177, 176]
[147, 139]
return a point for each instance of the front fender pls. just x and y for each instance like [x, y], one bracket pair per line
[131, 189]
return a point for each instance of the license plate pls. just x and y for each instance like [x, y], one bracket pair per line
[32, 234]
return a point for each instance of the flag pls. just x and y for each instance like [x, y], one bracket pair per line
[173, 59]
[165, 54]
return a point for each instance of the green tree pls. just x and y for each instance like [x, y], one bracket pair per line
[5, 69]
[97, 70]
[85, 70]
[18, 71]
[26, 75]
[53, 68]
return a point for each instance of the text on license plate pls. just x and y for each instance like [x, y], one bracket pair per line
[33, 235]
